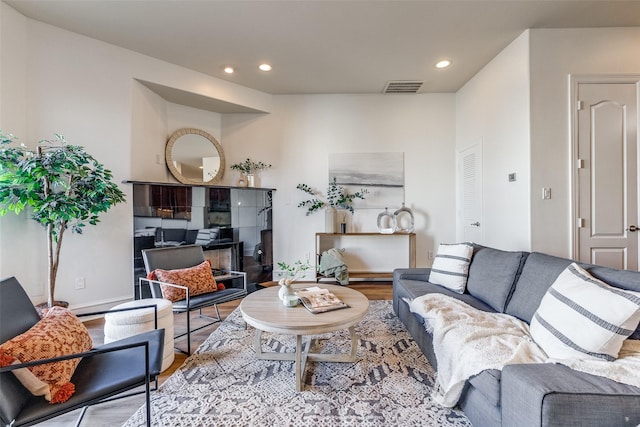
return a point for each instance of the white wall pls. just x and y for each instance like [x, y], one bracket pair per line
[493, 107]
[556, 54]
[301, 131]
[88, 91]
[56, 81]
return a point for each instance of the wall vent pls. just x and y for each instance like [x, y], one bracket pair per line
[402, 86]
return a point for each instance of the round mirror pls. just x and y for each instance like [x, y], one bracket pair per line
[194, 157]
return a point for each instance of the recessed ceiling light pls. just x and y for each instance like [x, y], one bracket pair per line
[443, 64]
[229, 70]
[265, 67]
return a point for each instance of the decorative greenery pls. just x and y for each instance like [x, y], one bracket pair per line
[249, 166]
[337, 197]
[65, 186]
[293, 272]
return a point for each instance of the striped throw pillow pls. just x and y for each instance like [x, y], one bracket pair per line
[581, 317]
[451, 266]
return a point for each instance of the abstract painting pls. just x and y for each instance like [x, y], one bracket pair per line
[382, 174]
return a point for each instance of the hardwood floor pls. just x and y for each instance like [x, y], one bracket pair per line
[117, 412]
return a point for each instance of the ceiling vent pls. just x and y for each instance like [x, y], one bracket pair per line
[402, 86]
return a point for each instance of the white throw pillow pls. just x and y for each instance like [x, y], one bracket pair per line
[581, 317]
[451, 266]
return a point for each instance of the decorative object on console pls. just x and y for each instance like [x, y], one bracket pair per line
[248, 169]
[290, 273]
[403, 216]
[386, 222]
[451, 266]
[65, 186]
[330, 220]
[337, 198]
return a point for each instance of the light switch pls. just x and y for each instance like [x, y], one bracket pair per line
[512, 177]
[546, 193]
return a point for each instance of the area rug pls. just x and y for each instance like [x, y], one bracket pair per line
[223, 384]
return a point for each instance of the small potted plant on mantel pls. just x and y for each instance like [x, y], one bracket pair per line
[248, 169]
[64, 186]
[337, 198]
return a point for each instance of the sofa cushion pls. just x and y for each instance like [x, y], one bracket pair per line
[58, 333]
[492, 275]
[538, 273]
[582, 317]
[199, 279]
[451, 266]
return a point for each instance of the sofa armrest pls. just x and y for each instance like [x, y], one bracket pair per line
[421, 274]
[550, 395]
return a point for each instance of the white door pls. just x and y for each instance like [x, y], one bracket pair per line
[607, 174]
[470, 202]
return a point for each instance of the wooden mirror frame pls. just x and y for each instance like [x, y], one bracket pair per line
[169, 156]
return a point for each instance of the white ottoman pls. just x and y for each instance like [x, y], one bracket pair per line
[127, 323]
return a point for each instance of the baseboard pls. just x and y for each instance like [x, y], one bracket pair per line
[98, 306]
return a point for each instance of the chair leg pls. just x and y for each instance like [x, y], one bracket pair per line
[81, 416]
[188, 333]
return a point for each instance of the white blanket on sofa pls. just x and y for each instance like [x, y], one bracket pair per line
[467, 341]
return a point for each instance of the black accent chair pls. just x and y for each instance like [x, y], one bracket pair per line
[177, 257]
[108, 372]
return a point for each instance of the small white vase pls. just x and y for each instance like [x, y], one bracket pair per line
[251, 180]
[286, 293]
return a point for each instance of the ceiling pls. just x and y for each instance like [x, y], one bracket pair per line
[325, 46]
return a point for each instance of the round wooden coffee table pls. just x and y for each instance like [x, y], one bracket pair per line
[264, 311]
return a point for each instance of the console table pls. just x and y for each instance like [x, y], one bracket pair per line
[370, 255]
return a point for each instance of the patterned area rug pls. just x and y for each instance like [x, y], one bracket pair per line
[223, 384]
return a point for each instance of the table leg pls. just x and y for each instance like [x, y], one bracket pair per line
[354, 342]
[298, 363]
[258, 343]
[303, 354]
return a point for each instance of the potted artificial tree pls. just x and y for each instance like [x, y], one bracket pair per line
[64, 186]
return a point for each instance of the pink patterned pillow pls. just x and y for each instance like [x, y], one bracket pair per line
[199, 279]
[58, 333]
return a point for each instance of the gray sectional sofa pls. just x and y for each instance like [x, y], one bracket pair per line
[533, 394]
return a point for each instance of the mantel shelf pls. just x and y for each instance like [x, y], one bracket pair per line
[178, 184]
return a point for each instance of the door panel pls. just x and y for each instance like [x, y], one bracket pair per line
[470, 176]
[607, 177]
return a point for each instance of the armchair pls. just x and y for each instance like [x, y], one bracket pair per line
[179, 257]
[104, 373]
